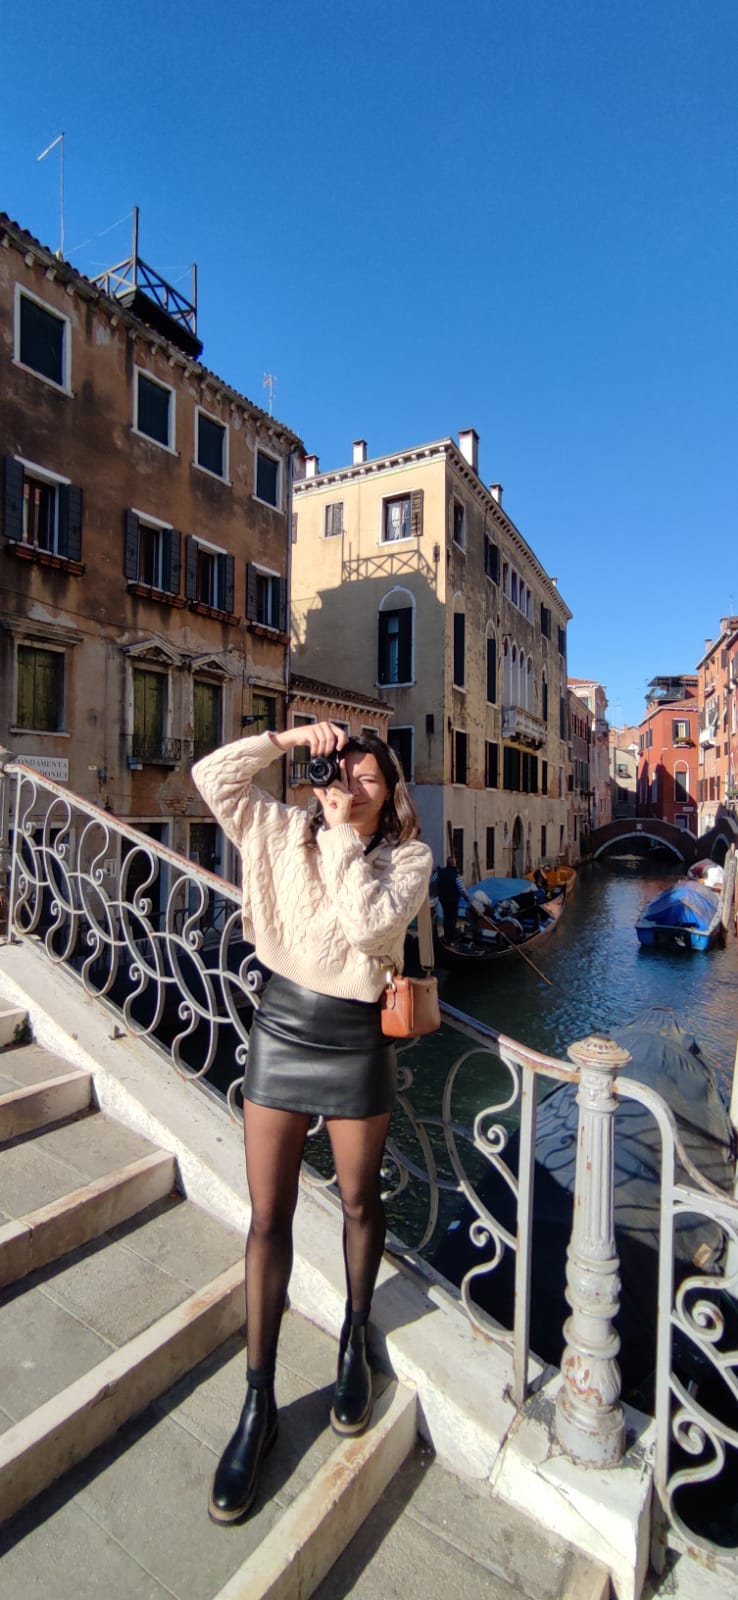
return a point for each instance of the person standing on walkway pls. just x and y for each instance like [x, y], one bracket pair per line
[448, 888]
[328, 894]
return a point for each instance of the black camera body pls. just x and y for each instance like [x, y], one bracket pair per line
[323, 771]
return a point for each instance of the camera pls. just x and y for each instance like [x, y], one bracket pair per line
[323, 770]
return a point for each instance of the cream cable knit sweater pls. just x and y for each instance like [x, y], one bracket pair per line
[316, 908]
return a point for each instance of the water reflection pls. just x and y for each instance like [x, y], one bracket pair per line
[601, 978]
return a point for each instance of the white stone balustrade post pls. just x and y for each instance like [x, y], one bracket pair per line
[589, 1419]
[6, 757]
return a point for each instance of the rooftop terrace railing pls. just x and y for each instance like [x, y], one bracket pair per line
[160, 941]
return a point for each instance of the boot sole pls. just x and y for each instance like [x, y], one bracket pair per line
[350, 1428]
[237, 1513]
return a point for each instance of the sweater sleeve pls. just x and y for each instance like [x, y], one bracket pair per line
[373, 911]
[225, 781]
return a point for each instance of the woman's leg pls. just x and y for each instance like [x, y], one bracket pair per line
[358, 1147]
[357, 1153]
[274, 1142]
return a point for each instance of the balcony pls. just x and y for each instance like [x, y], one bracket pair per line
[151, 750]
[517, 723]
[709, 735]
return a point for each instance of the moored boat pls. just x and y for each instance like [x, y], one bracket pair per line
[498, 917]
[686, 915]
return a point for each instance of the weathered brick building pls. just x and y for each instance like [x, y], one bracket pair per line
[144, 543]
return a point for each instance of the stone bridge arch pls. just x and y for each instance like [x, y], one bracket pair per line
[684, 845]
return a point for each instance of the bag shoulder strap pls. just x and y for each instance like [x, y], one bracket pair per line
[425, 936]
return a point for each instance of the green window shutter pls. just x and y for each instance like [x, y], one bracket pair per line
[13, 499]
[416, 512]
[70, 522]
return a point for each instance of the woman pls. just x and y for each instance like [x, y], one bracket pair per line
[327, 899]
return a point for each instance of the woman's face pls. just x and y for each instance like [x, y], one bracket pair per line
[369, 790]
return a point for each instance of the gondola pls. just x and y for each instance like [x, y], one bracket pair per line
[500, 916]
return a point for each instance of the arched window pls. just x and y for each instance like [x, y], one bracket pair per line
[544, 696]
[514, 678]
[530, 692]
[395, 637]
[491, 668]
[681, 782]
[506, 673]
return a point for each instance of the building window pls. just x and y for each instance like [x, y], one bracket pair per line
[489, 850]
[511, 767]
[395, 645]
[402, 517]
[207, 708]
[211, 445]
[209, 576]
[40, 689]
[42, 340]
[300, 755]
[544, 777]
[491, 559]
[562, 641]
[544, 698]
[459, 525]
[401, 741]
[151, 554]
[154, 410]
[334, 519]
[266, 598]
[491, 764]
[41, 510]
[457, 849]
[680, 730]
[562, 717]
[681, 785]
[492, 672]
[543, 840]
[459, 642]
[150, 706]
[267, 478]
[546, 622]
[459, 755]
[204, 845]
[264, 712]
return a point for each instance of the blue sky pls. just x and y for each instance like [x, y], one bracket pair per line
[514, 215]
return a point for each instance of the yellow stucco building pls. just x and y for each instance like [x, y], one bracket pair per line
[409, 581]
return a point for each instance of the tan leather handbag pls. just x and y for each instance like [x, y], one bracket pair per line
[410, 1005]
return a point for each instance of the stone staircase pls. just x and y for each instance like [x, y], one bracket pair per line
[121, 1373]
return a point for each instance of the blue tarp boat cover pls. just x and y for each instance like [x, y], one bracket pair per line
[497, 889]
[684, 905]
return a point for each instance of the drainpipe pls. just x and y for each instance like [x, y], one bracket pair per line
[288, 605]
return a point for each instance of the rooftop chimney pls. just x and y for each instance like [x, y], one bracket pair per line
[359, 451]
[495, 490]
[312, 466]
[469, 447]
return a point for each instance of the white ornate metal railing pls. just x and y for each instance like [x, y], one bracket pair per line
[160, 940]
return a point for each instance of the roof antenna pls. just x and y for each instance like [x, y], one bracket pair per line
[59, 140]
[270, 383]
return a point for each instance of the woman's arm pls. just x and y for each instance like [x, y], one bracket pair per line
[373, 910]
[225, 781]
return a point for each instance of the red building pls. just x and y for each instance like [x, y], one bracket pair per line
[668, 752]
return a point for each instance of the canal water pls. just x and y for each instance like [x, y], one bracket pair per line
[600, 977]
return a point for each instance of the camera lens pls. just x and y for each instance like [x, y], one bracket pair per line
[323, 770]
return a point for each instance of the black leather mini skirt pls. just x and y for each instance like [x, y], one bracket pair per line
[314, 1053]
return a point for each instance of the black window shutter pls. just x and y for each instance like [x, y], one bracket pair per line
[283, 604]
[130, 556]
[70, 522]
[251, 592]
[229, 583]
[172, 563]
[190, 567]
[405, 645]
[416, 512]
[492, 671]
[13, 499]
[382, 648]
[459, 640]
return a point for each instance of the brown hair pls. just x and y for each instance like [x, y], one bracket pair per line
[398, 821]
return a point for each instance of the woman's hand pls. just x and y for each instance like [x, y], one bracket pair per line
[321, 738]
[336, 801]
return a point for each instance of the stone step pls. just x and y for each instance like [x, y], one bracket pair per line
[61, 1432]
[74, 1219]
[36, 1106]
[13, 1023]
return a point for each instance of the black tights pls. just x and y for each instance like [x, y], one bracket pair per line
[274, 1143]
